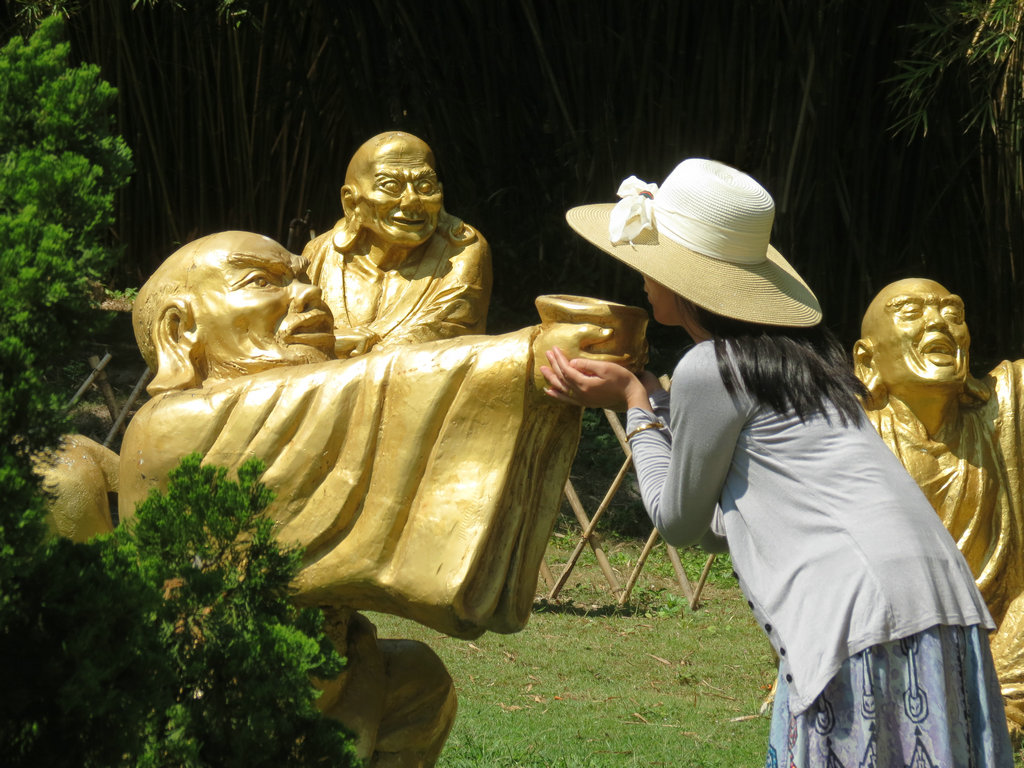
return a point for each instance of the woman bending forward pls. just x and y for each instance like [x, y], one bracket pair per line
[761, 447]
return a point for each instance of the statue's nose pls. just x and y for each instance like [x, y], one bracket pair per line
[306, 296]
[934, 318]
[410, 197]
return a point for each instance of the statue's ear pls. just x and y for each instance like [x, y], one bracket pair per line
[351, 225]
[864, 369]
[349, 198]
[177, 351]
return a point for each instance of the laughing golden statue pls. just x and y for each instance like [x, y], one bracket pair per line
[962, 440]
[398, 268]
[420, 479]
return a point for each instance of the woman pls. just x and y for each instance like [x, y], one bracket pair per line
[761, 446]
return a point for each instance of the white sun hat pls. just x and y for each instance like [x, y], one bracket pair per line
[704, 235]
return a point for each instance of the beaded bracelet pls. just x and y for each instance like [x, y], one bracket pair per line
[642, 427]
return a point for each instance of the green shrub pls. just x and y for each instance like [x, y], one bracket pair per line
[83, 669]
[170, 643]
[241, 653]
[61, 163]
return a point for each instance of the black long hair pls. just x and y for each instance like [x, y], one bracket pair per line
[804, 370]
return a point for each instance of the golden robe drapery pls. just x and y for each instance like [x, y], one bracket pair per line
[422, 480]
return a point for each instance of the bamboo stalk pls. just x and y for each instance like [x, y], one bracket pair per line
[695, 601]
[605, 502]
[581, 516]
[146, 376]
[97, 367]
[652, 539]
[677, 566]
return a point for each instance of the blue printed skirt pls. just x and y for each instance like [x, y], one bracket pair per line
[927, 701]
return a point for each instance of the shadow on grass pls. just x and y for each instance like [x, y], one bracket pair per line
[571, 608]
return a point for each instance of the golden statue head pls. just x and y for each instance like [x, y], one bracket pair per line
[913, 337]
[392, 195]
[227, 305]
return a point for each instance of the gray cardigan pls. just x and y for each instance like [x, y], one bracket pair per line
[833, 543]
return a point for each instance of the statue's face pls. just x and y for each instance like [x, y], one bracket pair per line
[396, 193]
[918, 335]
[255, 309]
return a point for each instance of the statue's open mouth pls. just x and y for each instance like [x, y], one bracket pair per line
[939, 350]
[312, 328]
[405, 221]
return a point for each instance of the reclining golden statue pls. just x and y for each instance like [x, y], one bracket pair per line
[962, 440]
[420, 479]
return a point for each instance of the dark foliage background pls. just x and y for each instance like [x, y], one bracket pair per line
[244, 114]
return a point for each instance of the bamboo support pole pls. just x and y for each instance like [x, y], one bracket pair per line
[595, 544]
[605, 502]
[677, 565]
[546, 574]
[90, 379]
[651, 541]
[700, 584]
[620, 433]
[127, 406]
[105, 389]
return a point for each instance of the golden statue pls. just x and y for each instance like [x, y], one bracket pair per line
[962, 440]
[398, 268]
[420, 479]
[78, 479]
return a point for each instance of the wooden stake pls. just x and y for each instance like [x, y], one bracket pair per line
[677, 565]
[700, 584]
[651, 541]
[584, 521]
[564, 577]
[546, 574]
[105, 389]
[89, 379]
[146, 374]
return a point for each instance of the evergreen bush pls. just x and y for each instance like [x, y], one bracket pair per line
[60, 163]
[241, 654]
[169, 643]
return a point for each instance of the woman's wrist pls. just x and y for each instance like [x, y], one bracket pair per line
[636, 396]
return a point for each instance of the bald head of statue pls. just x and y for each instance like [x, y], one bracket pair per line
[227, 305]
[914, 343]
[392, 196]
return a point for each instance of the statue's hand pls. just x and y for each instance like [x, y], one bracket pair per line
[580, 340]
[349, 342]
[593, 329]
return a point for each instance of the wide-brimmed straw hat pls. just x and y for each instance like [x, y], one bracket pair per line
[704, 235]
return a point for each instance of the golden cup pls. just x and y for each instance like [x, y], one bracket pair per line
[627, 342]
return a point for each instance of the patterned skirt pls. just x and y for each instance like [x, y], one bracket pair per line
[931, 700]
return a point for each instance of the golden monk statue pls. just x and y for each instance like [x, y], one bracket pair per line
[78, 479]
[420, 479]
[961, 439]
[398, 268]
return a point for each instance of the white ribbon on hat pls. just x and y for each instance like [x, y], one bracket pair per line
[634, 212]
[724, 242]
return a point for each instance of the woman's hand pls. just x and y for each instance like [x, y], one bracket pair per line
[593, 383]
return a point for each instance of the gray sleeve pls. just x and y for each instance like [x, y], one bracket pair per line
[660, 405]
[681, 474]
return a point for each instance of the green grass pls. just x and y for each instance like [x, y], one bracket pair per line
[585, 685]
